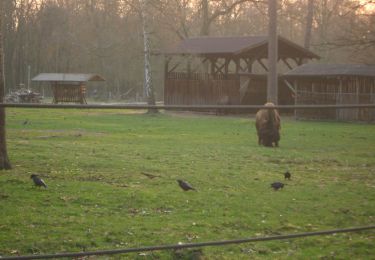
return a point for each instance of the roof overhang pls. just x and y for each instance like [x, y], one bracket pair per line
[237, 47]
[67, 77]
[331, 71]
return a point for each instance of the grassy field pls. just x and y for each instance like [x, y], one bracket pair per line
[99, 198]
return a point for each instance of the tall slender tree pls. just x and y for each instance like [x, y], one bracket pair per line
[309, 21]
[272, 79]
[148, 87]
[4, 160]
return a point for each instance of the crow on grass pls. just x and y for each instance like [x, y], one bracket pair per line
[184, 185]
[38, 181]
[287, 175]
[277, 185]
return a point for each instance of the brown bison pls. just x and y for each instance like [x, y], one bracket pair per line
[268, 126]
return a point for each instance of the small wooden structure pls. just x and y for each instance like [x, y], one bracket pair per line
[68, 87]
[224, 68]
[333, 84]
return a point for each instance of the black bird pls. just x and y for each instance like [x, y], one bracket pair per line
[277, 185]
[287, 175]
[25, 122]
[184, 185]
[38, 181]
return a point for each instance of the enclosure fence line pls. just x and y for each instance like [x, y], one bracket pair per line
[184, 107]
[190, 245]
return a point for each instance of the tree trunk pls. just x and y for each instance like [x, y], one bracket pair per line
[272, 80]
[148, 87]
[309, 21]
[4, 161]
[205, 29]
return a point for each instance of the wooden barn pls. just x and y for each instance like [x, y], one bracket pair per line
[68, 87]
[227, 70]
[334, 84]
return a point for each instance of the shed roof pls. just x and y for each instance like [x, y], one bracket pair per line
[238, 46]
[330, 70]
[67, 77]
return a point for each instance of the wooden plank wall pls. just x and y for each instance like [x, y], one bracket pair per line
[201, 89]
[349, 90]
[69, 94]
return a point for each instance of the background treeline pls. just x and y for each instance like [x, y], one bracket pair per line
[105, 36]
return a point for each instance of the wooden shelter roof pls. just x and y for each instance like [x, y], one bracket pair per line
[67, 77]
[332, 70]
[241, 46]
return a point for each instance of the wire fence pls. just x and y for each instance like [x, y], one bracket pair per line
[189, 245]
[183, 107]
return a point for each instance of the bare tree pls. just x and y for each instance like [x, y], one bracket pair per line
[351, 33]
[149, 90]
[4, 160]
[272, 53]
[220, 8]
[309, 23]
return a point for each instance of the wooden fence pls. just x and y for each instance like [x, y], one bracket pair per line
[336, 91]
[69, 94]
[201, 89]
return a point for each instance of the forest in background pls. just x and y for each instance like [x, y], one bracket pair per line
[105, 36]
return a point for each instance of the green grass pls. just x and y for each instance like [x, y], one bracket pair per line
[98, 197]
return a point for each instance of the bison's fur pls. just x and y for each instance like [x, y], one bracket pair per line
[268, 126]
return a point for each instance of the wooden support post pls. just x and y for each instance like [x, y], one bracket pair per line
[357, 97]
[55, 94]
[213, 65]
[295, 98]
[226, 68]
[372, 100]
[339, 113]
[166, 65]
[249, 63]
[188, 67]
[238, 65]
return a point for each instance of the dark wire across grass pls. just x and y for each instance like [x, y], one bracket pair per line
[190, 245]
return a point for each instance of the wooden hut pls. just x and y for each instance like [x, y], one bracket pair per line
[225, 70]
[68, 87]
[334, 84]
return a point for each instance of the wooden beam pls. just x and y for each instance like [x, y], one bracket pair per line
[287, 63]
[219, 68]
[262, 64]
[243, 89]
[290, 86]
[174, 67]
